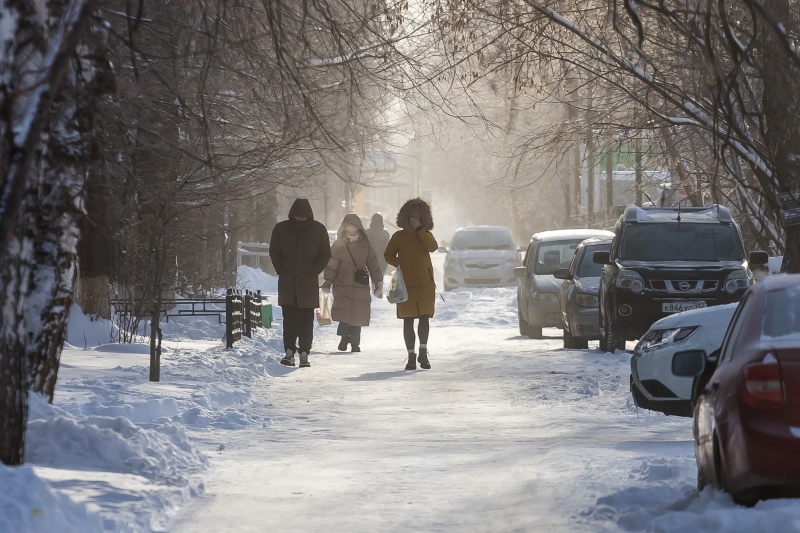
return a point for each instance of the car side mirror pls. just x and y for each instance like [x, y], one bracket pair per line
[601, 258]
[561, 273]
[520, 272]
[759, 258]
[442, 249]
[689, 364]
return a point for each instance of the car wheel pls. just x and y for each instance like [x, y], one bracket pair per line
[523, 324]
[569, 341]
[534, 331]
[603, 344]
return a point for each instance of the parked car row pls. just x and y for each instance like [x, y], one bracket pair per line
[712, 345]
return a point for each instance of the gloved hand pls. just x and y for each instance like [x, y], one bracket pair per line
[378, 291]
[326, 290]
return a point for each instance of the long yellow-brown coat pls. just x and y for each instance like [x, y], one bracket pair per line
[410, 249]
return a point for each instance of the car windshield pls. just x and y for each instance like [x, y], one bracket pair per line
[483, 240]
[588, 268]
[782, 313]
[550, 256]
[681, 242]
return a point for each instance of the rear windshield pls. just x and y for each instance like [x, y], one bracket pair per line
[681, 242]
[782, 313]
[483, 240]
[588, 268]
[550, 256]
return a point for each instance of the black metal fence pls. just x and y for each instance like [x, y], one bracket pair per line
[244, 312]
[243, 315]
[234, 317]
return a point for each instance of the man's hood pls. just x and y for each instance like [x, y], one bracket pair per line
[376, 222]
[301, 208]
[353, 220]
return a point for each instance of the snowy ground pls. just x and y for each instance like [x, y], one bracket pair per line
[503, 434]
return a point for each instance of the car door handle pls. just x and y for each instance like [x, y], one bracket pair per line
[715, 385]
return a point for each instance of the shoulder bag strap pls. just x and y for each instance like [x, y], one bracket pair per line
[347, 244]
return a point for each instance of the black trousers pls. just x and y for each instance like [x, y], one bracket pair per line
[298, 324]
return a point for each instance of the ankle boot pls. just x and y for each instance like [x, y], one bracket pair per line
[344, 342]
[423, 359]
[304, 360]
[288, 359]
[412, 362]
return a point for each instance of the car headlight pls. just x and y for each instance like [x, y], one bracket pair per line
[661, 337]
[586, 300]
[628, 279]
[737, 281]
[545, 296]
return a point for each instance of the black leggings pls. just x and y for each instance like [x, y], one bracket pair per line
[422, 330]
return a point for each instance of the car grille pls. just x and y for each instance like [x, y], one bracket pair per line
[684, 286]
[482, 281]
[482, 265]
[657, 389]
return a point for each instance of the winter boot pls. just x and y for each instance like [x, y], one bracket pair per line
[423, 358]
[304, 360]
[344, 342]
[356, 349]
[412, 361]
[288, 359]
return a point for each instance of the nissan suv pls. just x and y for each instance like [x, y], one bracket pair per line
[668, 260]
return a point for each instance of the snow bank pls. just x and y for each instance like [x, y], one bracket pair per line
[86, 331]
[29, 504]
[111, 444]
[132, 451]
[254, 279]
[484, 307]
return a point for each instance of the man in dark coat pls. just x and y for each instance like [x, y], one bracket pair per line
[299, 250]
[379, 238]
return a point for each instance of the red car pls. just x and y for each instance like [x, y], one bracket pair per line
[747, 417]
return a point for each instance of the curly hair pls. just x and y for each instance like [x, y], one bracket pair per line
[418, 207]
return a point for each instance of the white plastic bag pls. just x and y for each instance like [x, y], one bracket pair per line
[398, 293]
[324, 311]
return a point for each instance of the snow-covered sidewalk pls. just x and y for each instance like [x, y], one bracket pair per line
[503, 434]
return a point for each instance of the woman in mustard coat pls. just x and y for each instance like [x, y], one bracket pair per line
[410, 249]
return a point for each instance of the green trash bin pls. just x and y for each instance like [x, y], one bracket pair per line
[266, 315]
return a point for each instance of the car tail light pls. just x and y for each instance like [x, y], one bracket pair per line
[763, 388]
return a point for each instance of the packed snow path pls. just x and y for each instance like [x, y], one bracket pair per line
[503, 434]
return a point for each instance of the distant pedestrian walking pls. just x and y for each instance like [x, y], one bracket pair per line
[379, 238]
[410, 249]
[299, 251]
[353, 262]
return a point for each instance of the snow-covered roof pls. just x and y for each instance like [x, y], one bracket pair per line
[562, 234]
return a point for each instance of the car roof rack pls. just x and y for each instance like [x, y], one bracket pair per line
[713, 213]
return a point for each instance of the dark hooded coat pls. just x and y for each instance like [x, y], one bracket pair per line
[299, 252]
[410, 249]
[351, 301]
[379, 238]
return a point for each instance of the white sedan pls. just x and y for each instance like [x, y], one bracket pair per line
[653, 384]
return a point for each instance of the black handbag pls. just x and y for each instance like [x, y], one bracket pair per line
[362, 276]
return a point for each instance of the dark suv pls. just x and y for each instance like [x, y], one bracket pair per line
[669, 260]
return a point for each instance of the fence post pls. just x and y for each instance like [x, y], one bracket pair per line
[257, 310]
[229, 318]
[246, 314]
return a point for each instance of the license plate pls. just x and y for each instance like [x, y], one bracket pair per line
[680, 307]
[481, 273]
